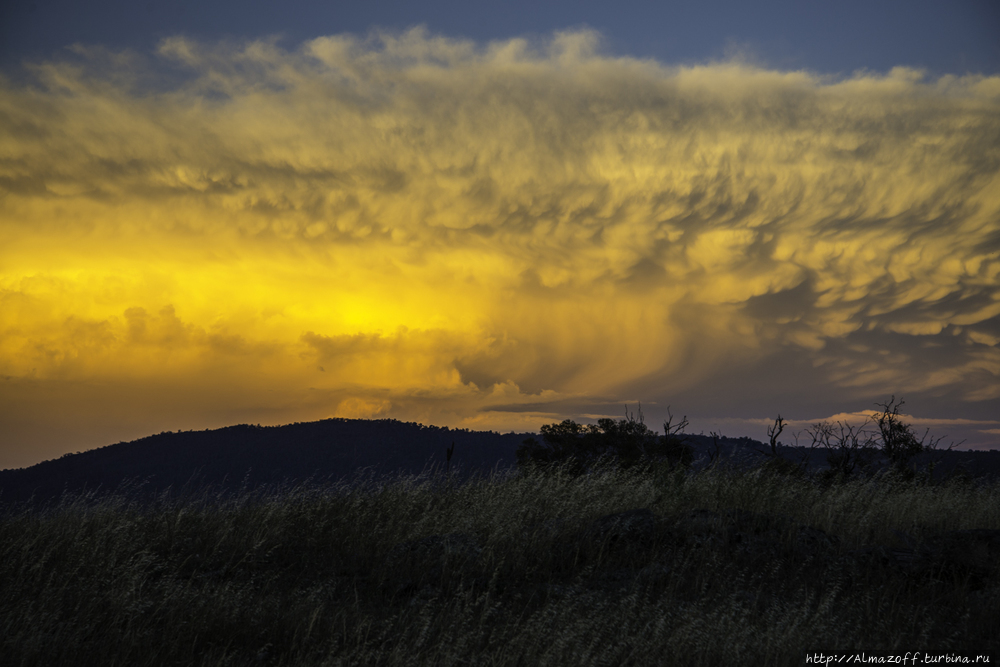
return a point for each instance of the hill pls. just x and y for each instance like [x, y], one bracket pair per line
[248, 455]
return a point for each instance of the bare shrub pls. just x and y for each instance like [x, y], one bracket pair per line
[848, 446]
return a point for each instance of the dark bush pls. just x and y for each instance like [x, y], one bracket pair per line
[626, 442]
[898, 442]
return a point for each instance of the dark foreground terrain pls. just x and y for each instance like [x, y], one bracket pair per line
[709, 566]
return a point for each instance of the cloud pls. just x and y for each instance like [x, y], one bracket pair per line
[460, 230]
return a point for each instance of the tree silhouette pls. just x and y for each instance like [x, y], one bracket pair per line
[628, 442]
[899, 443]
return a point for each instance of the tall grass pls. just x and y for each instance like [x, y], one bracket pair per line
[352, 574]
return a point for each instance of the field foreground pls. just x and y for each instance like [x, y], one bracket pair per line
[663, 566]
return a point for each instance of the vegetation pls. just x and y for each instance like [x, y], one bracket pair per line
[577, 448]
[633, 565]
[855, 448]
[627, 443]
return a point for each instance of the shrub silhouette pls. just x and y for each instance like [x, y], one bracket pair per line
[850, 447]
[898, 442]
[578, 448]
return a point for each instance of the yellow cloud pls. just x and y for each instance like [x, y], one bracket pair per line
[430, 219]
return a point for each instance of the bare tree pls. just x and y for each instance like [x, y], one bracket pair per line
[773, 432]
[898, 441]
[847, 445]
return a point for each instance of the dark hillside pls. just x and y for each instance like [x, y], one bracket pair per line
[231, 457]
[228, 457]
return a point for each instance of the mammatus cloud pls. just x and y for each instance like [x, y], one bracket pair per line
[488, 235]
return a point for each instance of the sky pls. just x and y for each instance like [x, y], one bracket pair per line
[496, 216]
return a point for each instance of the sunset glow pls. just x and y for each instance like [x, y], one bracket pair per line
[487, 235]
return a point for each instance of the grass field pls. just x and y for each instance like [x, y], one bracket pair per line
[660, 566]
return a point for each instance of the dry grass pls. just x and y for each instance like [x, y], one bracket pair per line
[350, 575]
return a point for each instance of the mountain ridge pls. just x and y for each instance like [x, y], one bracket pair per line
[246, 455]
